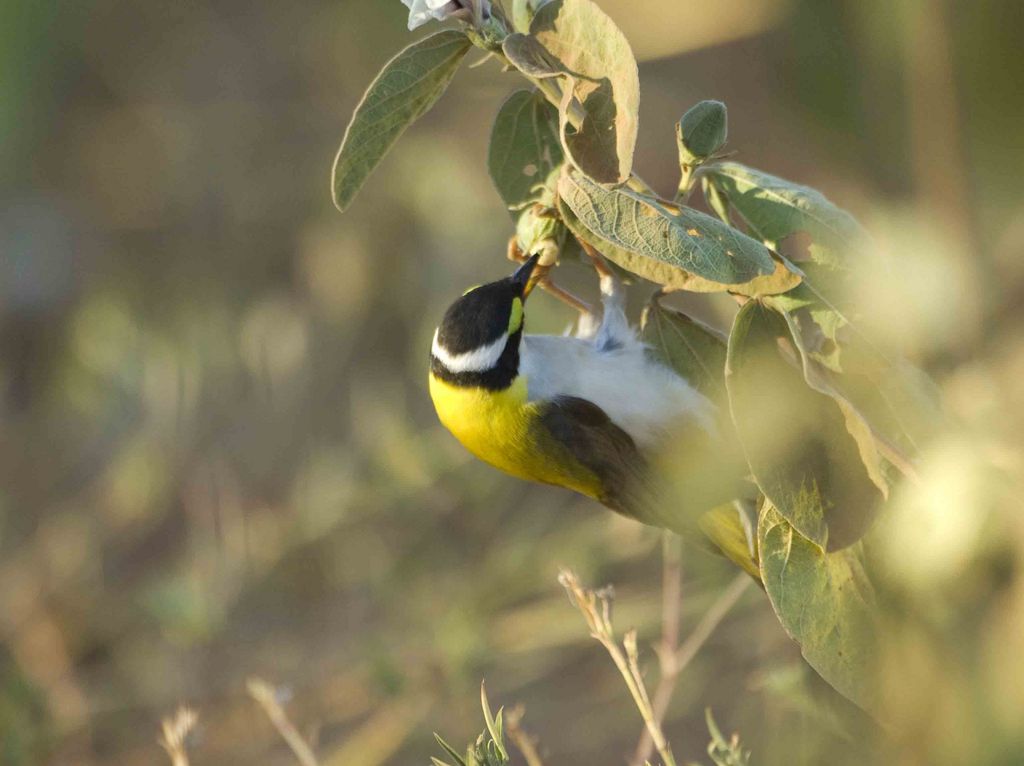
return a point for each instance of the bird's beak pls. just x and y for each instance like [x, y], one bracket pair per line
[522, 276]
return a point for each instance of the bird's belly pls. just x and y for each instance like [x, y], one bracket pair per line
[641, 396]
[496, 427]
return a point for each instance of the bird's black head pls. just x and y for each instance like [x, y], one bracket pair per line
[477, 342]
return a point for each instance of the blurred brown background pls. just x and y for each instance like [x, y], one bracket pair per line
[218, 458]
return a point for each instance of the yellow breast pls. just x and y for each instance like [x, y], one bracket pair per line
[496, 427]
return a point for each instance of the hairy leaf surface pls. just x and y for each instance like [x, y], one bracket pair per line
[825, 602]
[405, 89]
[524, 147]
[689, 347]
[601, 74]
[775, 208]
[690, 240]
[809, 452]
[672, 277]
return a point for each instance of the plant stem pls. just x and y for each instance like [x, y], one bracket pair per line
[671, 600]
[674, 660]
[685, 183]
[545, 282]
[596, 607]
[174, 733]
[266, 696]
[600, 264]
[526, 744]
[711, 620]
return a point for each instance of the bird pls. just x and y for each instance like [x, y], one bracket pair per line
[587, 411]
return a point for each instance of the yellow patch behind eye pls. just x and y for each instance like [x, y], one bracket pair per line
[515, 319]
[471, 289]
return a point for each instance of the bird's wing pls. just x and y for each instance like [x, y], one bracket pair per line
[568, 424]
[591, 439]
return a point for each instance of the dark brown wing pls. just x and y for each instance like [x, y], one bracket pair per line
[593, 440]
[590, 437]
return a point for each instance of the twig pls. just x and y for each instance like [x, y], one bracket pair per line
[674, 661]
[671, 599]
[711, 620]
[174, 732]
[671, 590]
[600, 264]
[526, 744]
[596, 608]
[266, 696]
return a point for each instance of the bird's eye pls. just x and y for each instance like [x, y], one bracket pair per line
[515, 319]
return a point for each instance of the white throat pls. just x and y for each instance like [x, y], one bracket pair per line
[478, 360]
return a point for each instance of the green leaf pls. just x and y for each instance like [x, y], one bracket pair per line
[405, 89]
[494, 725]
[775, 208]
[890, 407]
[694, 350]
[716, 200]
[899, 400]
[810, 453]
[688, 240]
[524, 148]
[819, 322]
[604, 80]
[701, 132]
[724, 752]
[450, 750]
[673, 278]
[820, 379]
[825, 602]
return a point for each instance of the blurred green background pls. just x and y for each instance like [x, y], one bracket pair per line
[218, 457]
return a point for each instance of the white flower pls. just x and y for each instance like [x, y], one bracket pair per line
[422, 11]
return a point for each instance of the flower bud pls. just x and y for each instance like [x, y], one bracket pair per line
[701, 132]
[538, 230]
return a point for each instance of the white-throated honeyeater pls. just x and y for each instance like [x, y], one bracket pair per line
[587, 412]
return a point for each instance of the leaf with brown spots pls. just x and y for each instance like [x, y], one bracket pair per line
[670, 248]
[524, 148]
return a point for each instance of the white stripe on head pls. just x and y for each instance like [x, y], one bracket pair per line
[478, 360]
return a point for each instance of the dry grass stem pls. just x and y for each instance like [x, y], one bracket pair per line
[174, 733]
[711, 619]
[673, 660]
[524, 742]
[596, 608]
[266, 696]
[671, 601]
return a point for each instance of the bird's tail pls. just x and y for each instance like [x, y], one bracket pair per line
[728, 534]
